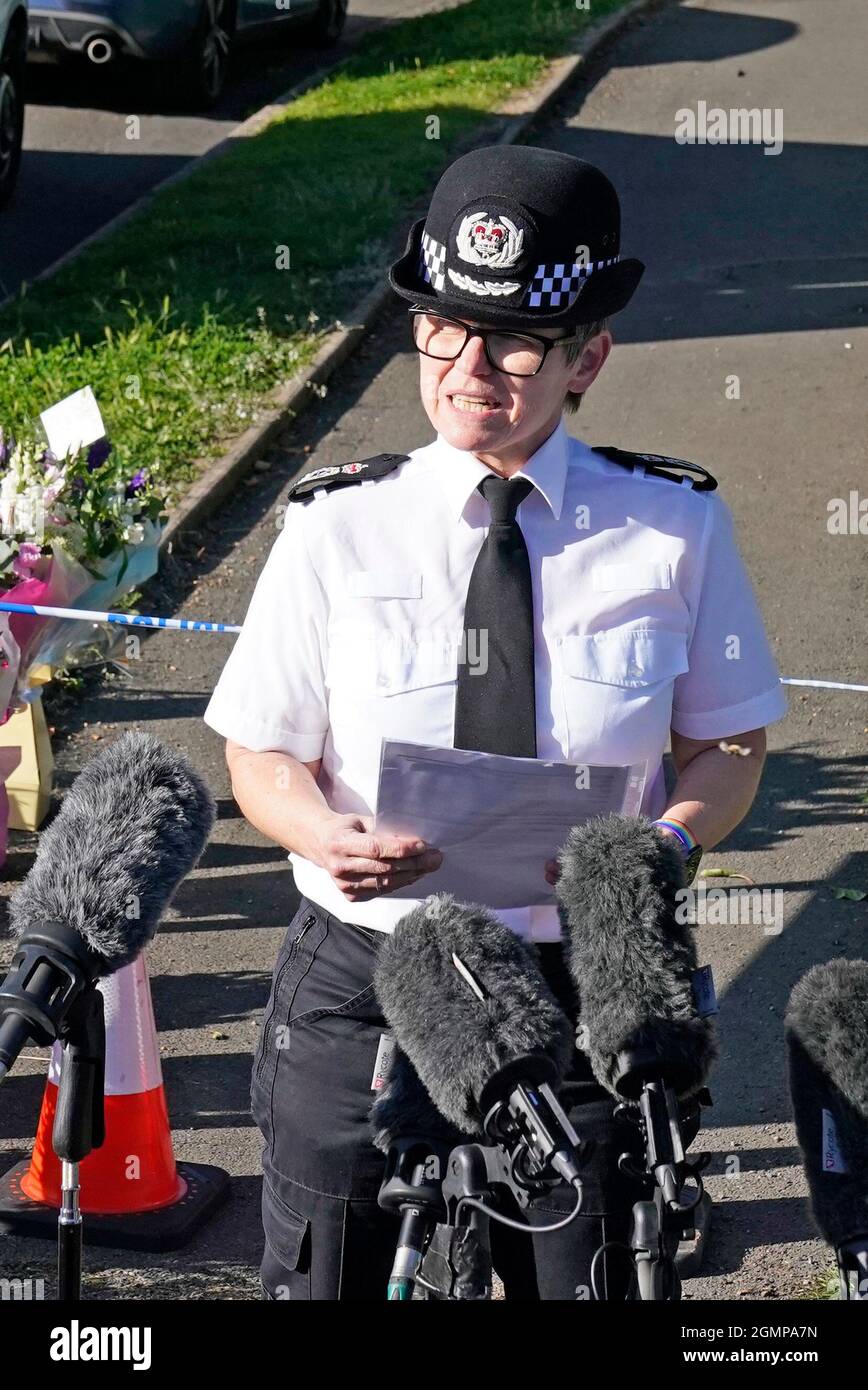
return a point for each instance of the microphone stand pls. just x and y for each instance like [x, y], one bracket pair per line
[440, 1255]
[79, 1126]
[533, 1148]
[412, 1189]
[457, 1261]
[659, 1219]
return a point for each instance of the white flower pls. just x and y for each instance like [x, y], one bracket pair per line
[135, 533]
[9, 485]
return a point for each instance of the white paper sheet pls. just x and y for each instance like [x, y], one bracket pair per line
[496, 819]
[73, 423]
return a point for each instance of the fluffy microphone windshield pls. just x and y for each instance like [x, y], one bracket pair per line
[631, 958]
[456, 1040]
[827, 1041]
[404, 1110]
[132, 825]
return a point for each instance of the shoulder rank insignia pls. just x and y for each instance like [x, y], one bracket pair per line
[341, 476]
[660, 466]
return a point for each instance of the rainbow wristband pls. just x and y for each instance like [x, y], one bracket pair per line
[680, 829]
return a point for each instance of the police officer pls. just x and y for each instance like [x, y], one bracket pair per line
[505, 588]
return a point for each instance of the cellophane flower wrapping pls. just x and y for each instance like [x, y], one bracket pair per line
[78, 532]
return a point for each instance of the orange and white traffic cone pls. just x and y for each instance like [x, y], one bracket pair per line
[133, 1193]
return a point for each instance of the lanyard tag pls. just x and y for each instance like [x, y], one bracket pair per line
[704, 992]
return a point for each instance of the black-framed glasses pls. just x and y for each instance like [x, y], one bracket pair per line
[518, 354]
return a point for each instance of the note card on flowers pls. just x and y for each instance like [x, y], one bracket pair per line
[73, 423]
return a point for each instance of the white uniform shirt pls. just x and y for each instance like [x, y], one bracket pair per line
[644, 616]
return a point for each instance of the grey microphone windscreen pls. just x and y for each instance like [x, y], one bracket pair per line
[132, 825]
[632, 956]
[457, 1041]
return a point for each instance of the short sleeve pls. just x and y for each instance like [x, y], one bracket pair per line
[733, 682]
[271, 692]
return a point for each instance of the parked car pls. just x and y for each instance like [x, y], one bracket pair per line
[194, 37]
[13, 47]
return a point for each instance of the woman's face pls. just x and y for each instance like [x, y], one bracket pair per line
[522, 411]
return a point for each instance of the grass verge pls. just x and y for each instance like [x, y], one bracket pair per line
[186, 318]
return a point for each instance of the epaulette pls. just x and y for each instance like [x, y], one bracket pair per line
[344, 474]
[659, 466]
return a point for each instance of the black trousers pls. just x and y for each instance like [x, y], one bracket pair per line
[325, 1236]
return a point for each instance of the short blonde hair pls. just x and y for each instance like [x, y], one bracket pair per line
[573, 399]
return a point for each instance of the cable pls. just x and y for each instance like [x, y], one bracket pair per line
[685, 1208]
[518, 1225]
[609, 1245]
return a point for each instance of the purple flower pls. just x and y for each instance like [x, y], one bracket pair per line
[137, 482]
[28, 554]
[6, 448]
[78, 485]
[47, 458]
[98, 453]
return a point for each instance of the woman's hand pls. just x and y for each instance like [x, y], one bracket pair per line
[553, 871]
[366, 864]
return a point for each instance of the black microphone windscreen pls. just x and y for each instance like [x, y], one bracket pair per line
[403, 1109]
[456, 1040]
[826, 1026]
[132, 825]
[632, 955]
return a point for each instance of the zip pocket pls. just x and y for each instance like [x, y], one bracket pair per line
[290, 959]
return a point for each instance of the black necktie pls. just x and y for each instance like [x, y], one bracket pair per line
[495, 709]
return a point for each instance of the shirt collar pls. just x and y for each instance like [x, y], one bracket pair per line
[460, 471]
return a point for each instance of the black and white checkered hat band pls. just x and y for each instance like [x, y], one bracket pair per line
[556, 286]
[433, 261]
[552, 287]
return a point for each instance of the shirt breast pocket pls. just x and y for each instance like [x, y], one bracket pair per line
[396, 689]
[617, 691]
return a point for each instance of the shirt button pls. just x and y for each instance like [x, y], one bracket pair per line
[382, 680]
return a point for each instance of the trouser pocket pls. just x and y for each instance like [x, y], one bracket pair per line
[324, 1248]
[285, 1269]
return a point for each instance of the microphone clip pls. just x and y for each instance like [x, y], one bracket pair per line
[666, 1169]
[51, 968]
[524, 1117]
[414, 1176]
[79, 1121]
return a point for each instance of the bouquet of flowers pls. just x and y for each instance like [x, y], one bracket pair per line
[73, 529]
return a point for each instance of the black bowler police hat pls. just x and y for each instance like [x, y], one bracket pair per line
[522, 236]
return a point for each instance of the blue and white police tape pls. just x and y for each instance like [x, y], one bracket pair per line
[39, 610]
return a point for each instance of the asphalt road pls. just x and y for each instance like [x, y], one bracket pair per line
[731, 237]
[81, 167]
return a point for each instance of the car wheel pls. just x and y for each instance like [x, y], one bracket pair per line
[328, 23]
[201, 75]
[11, 129]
